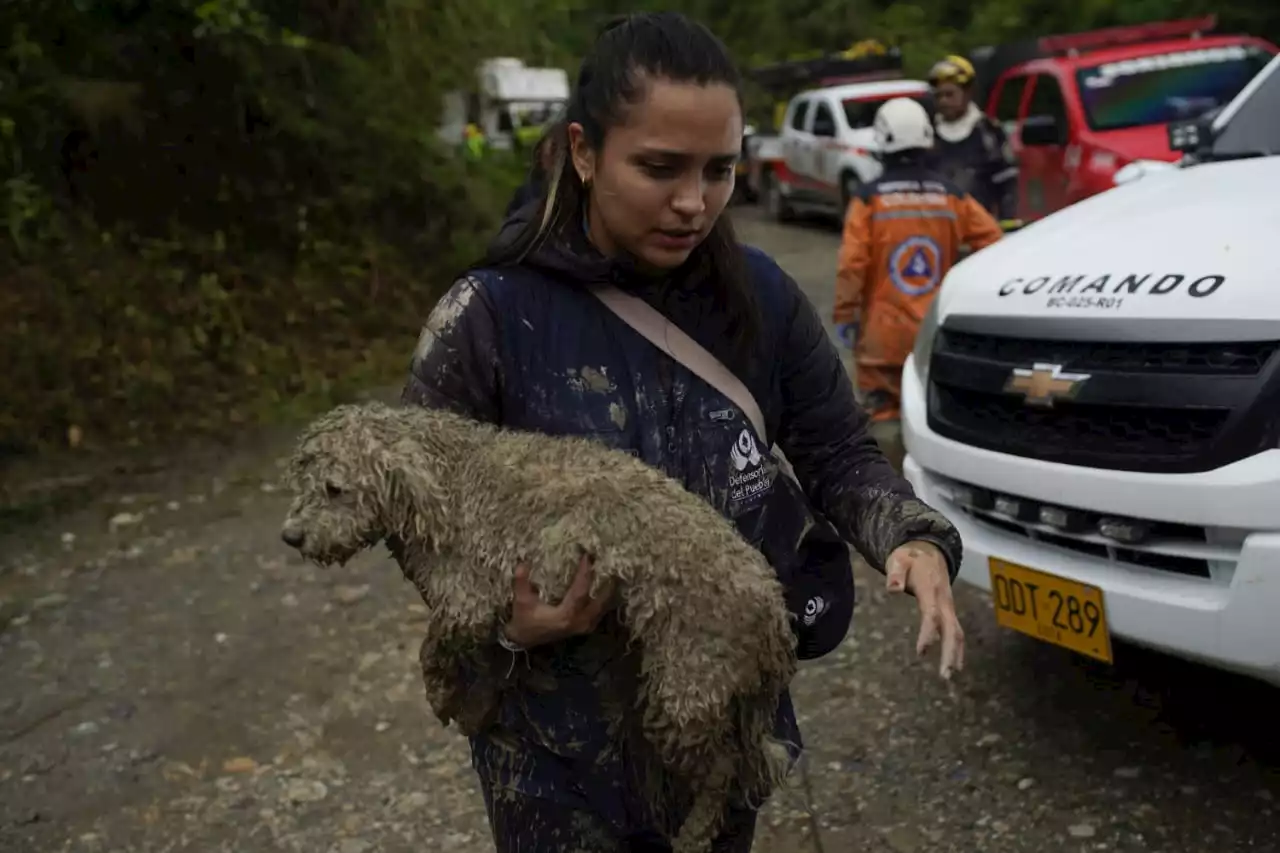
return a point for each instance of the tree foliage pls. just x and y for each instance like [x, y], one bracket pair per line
[212, 206]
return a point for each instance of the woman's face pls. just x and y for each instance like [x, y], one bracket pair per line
[663, 176]
[952, 100]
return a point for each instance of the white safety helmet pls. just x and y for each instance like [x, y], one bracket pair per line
[902, 124]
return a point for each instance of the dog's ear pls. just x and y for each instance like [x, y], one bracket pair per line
[413, 499]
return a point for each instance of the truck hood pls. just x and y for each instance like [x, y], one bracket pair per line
[1149, 258]
[1145, 142]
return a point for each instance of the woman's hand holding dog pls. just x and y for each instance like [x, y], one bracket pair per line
[534, 622]
[920, 568]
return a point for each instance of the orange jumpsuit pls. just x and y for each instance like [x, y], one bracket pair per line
[902, 234]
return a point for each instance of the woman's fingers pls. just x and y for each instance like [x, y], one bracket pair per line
[929, 629]
[583, 609]
[579, 591]
[938, 622]
[524, 589]
[578, 612]
[952, 644]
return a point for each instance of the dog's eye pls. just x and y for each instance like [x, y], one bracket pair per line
[332, 490]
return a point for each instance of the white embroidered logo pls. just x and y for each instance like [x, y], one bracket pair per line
[744, 452]
[813, 609]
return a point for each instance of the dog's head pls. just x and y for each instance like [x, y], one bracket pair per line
[358, 476]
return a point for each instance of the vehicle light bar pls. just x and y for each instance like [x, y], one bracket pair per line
[1136, 34]
[869, 77]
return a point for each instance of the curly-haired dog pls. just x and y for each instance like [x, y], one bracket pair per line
[469, 501]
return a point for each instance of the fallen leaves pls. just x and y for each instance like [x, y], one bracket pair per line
[239, 764]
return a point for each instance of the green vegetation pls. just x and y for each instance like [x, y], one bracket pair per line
[213, 211]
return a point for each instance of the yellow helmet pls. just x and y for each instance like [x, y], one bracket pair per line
[952, 69]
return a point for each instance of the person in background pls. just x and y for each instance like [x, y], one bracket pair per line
[902, 233]
[636, 200]
[474, 141]
[971, 151]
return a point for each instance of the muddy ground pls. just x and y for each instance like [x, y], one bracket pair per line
[172, 679]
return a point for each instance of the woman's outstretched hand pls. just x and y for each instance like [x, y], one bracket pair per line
[921, 568]
[534, 622]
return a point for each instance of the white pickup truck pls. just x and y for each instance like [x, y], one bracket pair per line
[829, 148]
[825, 148]
[1095, 402]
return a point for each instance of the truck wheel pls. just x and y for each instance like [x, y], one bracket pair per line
[775, 202]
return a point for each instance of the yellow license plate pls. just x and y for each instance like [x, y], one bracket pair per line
[1056, 610]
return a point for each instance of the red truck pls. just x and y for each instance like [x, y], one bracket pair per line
[1078, 108]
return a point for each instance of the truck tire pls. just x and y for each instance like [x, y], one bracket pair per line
[775, 203]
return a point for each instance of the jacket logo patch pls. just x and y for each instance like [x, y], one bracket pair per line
[745, 454]
[813, 610]
[915, 265]
[749, 478]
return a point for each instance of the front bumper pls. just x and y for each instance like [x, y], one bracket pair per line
[1227, 618]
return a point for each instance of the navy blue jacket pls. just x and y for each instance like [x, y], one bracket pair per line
[529, 348]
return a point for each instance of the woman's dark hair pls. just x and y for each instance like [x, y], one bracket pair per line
[542, 154]
[629, 52]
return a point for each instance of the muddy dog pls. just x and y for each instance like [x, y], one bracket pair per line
[468, 501]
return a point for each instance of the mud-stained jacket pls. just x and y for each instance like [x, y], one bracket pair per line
[902, 233]
[530, 348]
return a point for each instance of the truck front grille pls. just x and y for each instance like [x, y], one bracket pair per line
[1143, 407]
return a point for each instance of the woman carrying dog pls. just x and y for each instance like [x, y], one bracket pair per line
[553, 331]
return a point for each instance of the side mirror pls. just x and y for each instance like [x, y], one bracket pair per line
[1041, 131]
[1190, 135]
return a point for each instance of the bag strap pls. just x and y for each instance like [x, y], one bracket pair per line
[654, 327]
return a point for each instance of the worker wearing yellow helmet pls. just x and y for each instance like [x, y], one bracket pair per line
[970, 149]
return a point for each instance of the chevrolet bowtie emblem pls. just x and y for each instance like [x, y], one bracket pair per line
[1042, 384]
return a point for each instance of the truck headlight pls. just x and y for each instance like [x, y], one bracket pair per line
[923, 349]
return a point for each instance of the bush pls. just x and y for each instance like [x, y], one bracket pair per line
[213, 209]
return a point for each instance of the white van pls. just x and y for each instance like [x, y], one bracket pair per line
[1095, 402]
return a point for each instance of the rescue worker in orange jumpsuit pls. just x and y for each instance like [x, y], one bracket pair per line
[902, 233]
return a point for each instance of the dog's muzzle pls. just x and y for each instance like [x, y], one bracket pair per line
[293, 536]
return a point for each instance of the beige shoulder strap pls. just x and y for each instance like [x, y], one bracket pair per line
[666, 336]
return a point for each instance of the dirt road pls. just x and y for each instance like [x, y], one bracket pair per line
[172, 680]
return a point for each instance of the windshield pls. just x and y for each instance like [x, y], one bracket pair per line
[1166, 87]
[860, 113]
[1254, 128]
